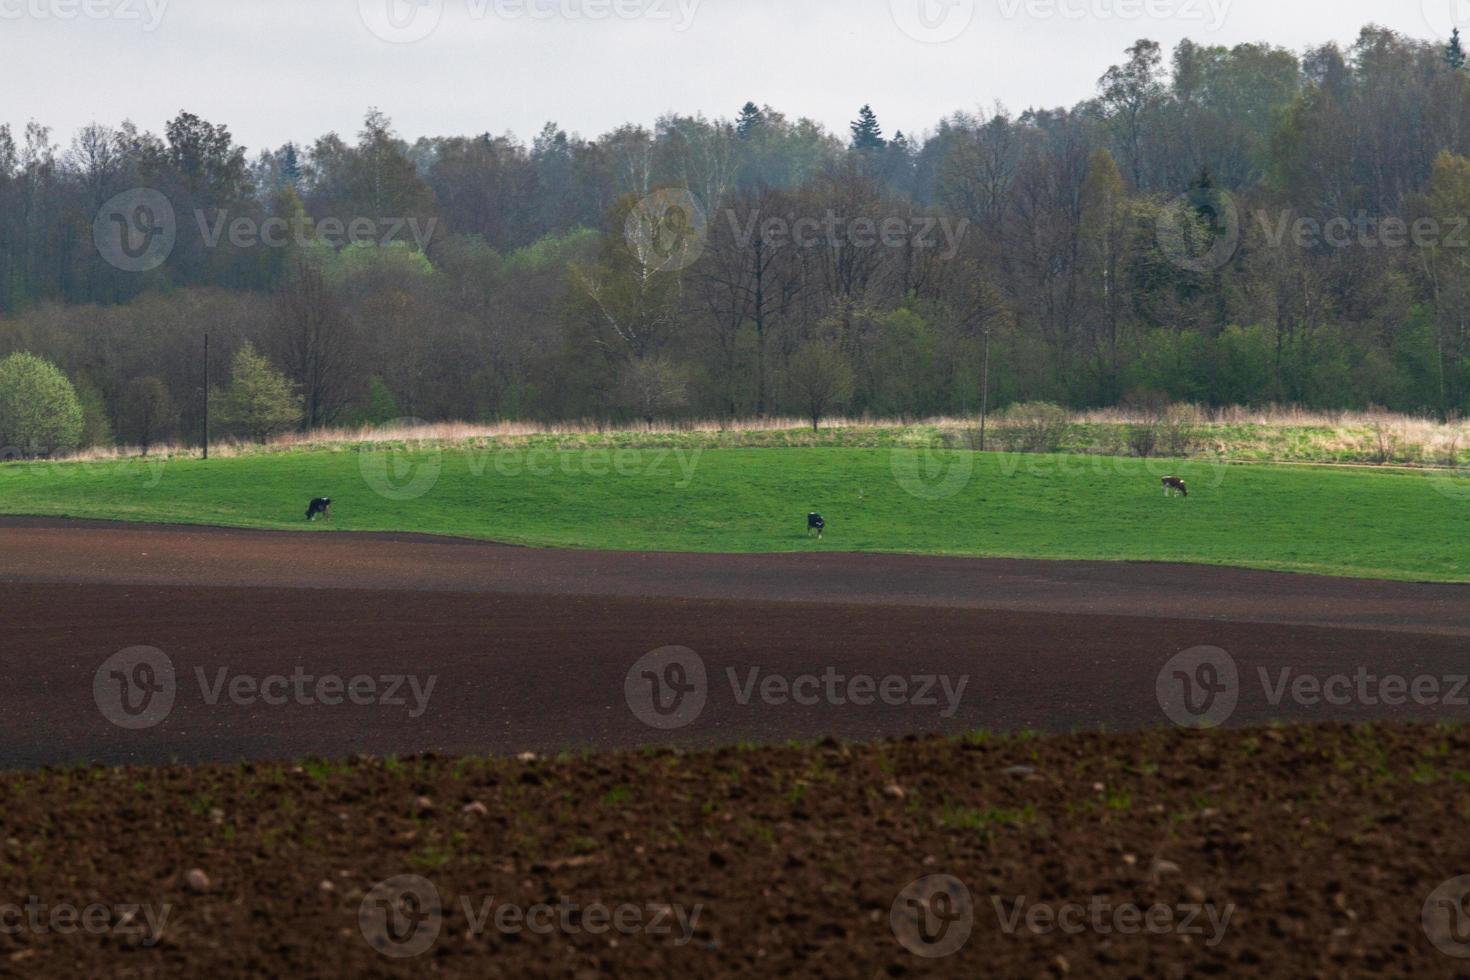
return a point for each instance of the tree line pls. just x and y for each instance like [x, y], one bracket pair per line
[1216, 225]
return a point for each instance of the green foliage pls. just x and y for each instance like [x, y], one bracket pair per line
[40, 414]
[822, 380]
[96, 426]
[867, 135]
[147, 416]
[260, 401]
[359, 260]
[379, 406]
[1036, 427]
[1355, 522]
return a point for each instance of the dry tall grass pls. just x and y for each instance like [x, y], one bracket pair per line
[1280, 433]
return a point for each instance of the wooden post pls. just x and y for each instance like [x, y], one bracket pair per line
[206, 396]
[985, 390]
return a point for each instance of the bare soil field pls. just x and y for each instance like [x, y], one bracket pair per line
[508, 796]
[476, 648]
[1300, 852]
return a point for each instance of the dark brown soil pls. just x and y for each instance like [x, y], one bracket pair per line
[1321, 844]
[529, 650]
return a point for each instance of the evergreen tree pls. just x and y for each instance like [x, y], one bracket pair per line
[867, 135]
[750, 118]
[1455, 55]
[260, 402]
[290, 167]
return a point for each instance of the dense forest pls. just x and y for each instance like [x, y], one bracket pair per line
[1216, 225]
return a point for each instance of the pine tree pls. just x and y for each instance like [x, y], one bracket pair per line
[866, 133]
[750, 119]
[290, 167]
[260, 402]
[1454, 56]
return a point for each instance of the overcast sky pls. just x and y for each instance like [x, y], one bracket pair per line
[278, 70]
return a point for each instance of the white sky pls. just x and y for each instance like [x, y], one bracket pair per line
[278, 70]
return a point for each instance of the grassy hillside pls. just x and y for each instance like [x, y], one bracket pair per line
[1355, 522]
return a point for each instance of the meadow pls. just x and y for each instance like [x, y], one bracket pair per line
[1347, 521]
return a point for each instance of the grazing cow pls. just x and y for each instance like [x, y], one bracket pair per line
[1173, 483]
[322, 506]
[814, 522]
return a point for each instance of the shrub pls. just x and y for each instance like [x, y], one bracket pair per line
[1143, 438]
[260, 401]
[1036, 427]
[148, 416]
[40, 414]
[1180, 429]
[1386, 442]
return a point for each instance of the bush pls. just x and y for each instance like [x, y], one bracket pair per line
[260, 402]
[40, 414]
[1387, 441]
[1036, 427]
[1180, 427]
[148, 416]
[1143, 438]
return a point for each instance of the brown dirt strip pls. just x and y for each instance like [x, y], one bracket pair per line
[528, 672]
[90, 552]
[1310, 852]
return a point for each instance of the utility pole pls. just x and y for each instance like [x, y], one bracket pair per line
[985, 390]
[206, 396]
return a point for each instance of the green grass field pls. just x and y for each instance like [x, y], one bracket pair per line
[1351, 522]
